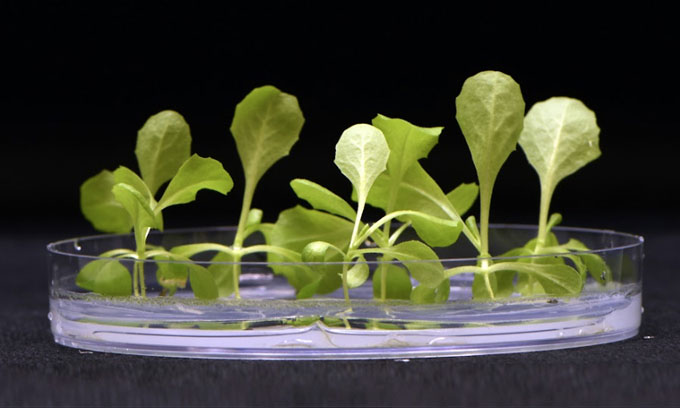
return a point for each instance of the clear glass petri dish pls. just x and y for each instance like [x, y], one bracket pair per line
[268, 322]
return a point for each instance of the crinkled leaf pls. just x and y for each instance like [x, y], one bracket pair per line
[425, 295]
[361, 154]
[202, 282]
[100, 207]
[560, 136]
[322, 199]
[490, 112]
[397, 282]
[266, 124]
[463, 197]
[195, 174]
[106, 277]
[163, 144]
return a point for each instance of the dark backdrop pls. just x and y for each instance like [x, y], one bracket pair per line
[83, 79]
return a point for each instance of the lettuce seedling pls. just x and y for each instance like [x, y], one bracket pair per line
[362, 155]
[266, 124]
[120, 200]
[490, 112]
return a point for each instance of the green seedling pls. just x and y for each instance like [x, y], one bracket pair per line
[121, 200]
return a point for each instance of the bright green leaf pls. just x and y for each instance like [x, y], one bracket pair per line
[137, 206]
[202, 282]
[357, 274]
[556, 279]
[463, 197]
[397, 282]
[420, 260]
[425, 295]
[163, 144]
[100, 207]
[322, 199]
[195, 174]
[106, 277]
[266, 124]
[222, 272]
[171, 275]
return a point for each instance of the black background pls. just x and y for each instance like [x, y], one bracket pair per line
[83, 79]
[80, 80]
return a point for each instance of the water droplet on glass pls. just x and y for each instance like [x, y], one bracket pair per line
[49, 316]
[77, 246]
[402, 360]
[648, 337]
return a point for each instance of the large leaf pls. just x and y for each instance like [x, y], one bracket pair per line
[202, 282]
[361, 154]
[490, 112]
[106, 277]
[560, 136]
[323, 199]
[163, 144]
[266, 124]
[196, 173]
[100, 207]
[222, 271]
[556, 279]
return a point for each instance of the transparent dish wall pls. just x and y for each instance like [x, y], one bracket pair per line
[269, 323]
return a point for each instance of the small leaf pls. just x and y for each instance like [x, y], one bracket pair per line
[137, 206]
[163, 144]
[361, 154]
[323, 199]
[434, 231]
[100, 207]
[202, 282]
[223, 273]
[106, 277]
[420, 260]
[463, 197]
[398, 283]
[195, 174]
[425, 295]
[556, 279]
[266, 124]
[171, 275]
[254, 217]
[357, 274]
[560, 136]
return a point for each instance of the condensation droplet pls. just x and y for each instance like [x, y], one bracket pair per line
[648, 337]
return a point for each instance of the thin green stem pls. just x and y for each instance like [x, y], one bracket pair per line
[546, 195]
[345, 287]
[240, 235]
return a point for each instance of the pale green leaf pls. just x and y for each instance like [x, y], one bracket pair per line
[254, 217]
[202, 282]
[407, 143]
[560, 136]
[100, 207]
[163, 144]
[124, 175]
[322, 199]
[397, 282]
[556, 279]
[420, 260]
[266, 124]
[490, 112]
[222, 272]
[357, 274]
[463, 197]
[361, 154]
[171, 275]
[106, 277]
[424, 295]
[195, 174]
